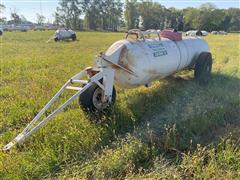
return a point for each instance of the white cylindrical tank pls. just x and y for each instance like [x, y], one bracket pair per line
[152, 59]
[61, 34]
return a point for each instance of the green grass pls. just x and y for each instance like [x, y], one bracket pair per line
[151, 132]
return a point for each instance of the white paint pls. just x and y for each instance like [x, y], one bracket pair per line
[194, 33]
[152, 59]
[64, 34]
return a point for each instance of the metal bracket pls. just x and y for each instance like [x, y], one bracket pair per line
[141, 34]
[119, 66]
[33, 127]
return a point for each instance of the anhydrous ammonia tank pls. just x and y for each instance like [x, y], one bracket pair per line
[152, 59]
[62, 34]
[131, 62]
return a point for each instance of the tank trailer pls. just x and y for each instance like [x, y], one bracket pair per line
[63, 34]
[129, 63]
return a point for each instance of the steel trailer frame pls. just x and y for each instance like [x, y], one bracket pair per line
[104, 74]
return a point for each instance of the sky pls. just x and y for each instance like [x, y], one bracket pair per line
[29, 8]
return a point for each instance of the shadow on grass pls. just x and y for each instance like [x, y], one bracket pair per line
[174, 114]
[170, 118]
[177, 114]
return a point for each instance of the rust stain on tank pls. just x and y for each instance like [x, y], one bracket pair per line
[123, 55]
[125, 58]
[125, 61]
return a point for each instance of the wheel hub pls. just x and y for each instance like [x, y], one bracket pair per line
[97, 100]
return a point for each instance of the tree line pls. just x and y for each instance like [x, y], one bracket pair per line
[89, 14]
[155, 16]
[113, 15]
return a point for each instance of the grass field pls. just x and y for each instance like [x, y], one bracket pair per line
[176, 129]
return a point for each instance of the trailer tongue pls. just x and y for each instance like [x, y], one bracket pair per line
[100, 77]
[130, 63]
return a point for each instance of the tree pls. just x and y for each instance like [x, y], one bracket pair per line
[152, 15]
[174, 18]
[215, 20]
[2, 7]
[110, 14]
[15, 17]
[131, 14]
[40, 19]
[68, 14]
[206, 17]
[103, 14]
[209, 6]
[92, 10]
[23, 18]
[107, 15]
[233, 15]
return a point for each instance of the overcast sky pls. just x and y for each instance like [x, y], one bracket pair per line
[29, 8]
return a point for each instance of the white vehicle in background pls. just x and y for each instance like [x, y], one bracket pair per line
[1, 31]
[21, 28]
[214, 32]
[62, 34]
[219, 32]
[222, 32]
[50, 27]
[10, 28]
[204, 33]
[39, 28]
[191, 33]
[196, 33]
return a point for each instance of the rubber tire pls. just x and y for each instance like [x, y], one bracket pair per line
[203, 68]
[86, 99]
[56, 39]
[74, 37]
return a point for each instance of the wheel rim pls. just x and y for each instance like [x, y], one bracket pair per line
[208, 69]
[206, 72]
[97, 100]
